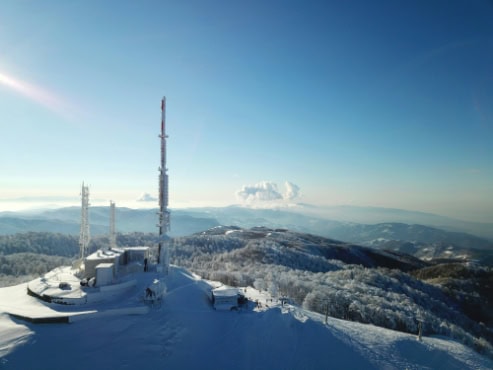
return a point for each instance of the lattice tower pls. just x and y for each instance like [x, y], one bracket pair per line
[112, 225]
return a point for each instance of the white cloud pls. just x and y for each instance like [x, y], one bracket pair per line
[292, 191]
[267, 191]
[262, 191]
[146, 197]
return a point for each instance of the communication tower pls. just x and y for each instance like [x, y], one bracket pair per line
[164, 215]
[112, 225]
[84, 236]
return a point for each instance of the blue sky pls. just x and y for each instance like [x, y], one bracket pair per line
[372, 103]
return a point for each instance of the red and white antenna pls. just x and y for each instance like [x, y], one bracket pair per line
[164, 217]
[84, 236]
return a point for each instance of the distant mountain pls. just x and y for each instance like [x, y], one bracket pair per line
[418, 240]
[20, 224]
[377, 234]
[268, 217]
[183, 221]
[374, 215]
[67, 220]
[302, 217]
[323, 220]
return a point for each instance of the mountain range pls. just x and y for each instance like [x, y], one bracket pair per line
[420, 240]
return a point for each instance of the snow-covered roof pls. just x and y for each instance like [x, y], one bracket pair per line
[50, 284]
[105, 254]
[226, 292]
[142, 248]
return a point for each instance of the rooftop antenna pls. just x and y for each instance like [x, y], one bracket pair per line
[84, 236]
[112, 225]
[164, 216]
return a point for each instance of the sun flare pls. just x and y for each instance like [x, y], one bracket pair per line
[34, 93]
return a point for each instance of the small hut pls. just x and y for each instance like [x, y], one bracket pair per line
[226, 298]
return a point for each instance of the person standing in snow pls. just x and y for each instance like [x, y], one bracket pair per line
[149, 292]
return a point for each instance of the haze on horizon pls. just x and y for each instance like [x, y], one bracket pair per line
[362, 103]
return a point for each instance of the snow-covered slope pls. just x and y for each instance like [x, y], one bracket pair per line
[187, 333]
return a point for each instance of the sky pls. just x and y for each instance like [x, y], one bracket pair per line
[381, 103]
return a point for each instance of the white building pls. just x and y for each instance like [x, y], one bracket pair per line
[116, 260]
[227, 298]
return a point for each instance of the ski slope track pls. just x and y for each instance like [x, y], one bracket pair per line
[185, 332]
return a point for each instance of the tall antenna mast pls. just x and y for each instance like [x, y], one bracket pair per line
[84, 236]
[164, 217]
[112, 225]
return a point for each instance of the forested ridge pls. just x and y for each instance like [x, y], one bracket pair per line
[343, 280]
[53, 244]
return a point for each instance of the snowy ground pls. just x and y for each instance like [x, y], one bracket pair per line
[186, 332]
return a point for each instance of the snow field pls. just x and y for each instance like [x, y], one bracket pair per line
[186, 332]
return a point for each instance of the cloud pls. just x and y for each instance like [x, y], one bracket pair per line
[292, 191]
[262, 191]
[267, 191]
[146, 197]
